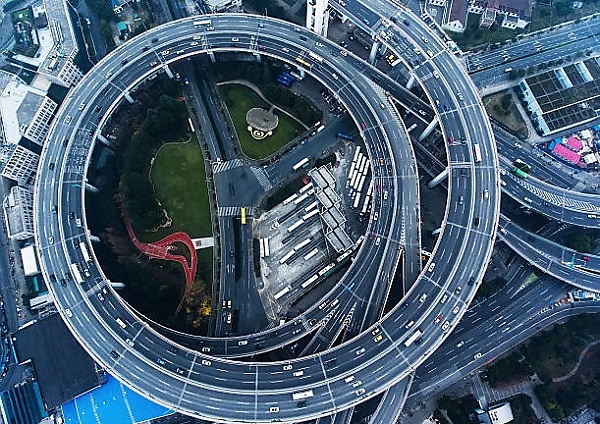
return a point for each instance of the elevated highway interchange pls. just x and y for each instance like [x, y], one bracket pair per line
[216, 388]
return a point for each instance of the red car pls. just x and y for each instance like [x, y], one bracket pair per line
[363, 126]
[437, 319]
[371, 235]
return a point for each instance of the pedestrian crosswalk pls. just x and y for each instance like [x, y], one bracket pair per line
[229, 210]
[226, 166]
[262, 177]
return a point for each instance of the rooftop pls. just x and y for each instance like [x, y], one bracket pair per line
[60, 380]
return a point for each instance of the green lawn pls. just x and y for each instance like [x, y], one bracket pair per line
[239, 100]
[180, 185]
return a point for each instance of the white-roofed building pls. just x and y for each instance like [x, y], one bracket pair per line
[18, 210]
[216, 6]
[19, 164]
[500, 414]
[30, 263]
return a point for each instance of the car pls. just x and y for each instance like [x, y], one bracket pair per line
[372, 235]
[114, 354]
[461, 200]
[344, 53]
[180, 371]
[129, 342]
[422, 298]
[165, 52]
[422, 112]
[363, 126]
[375, 216]
[51, 240]
[235, 39]
[472, 281]
[436, 74]
[458, 289]
[385, 195]
[224, 304]
[378, 338]
[68, 313]
[124, 61]
[477, 355]
[180, 51]
[444, 298]
[82, 106]
[274, 409]
[145, 48]
[360, 392]
[312, 321]
[360, 351]
[229, 304]
[518, 145]
[229, 316]
[334, 76]
[63, 282]
[206, 362]
[431, 267]
[78, 222]
[460, 344]
[153, 64]
[104, 290]
[377, 241]
[527, 199]
[405, 22]
[287, 367]
[302, 404]
[100, 297]
[160, 361]
[409, 324]
[456, 309]
[53, 278]
[51, 166]
[585, 258]
[242, 342]
[486, 194]
[437, 320]
[205, 349]
[263, 48]
[446, 326]
[424, 39]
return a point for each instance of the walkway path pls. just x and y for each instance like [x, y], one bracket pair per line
[160, 250]
[577, 365]
[262, 96]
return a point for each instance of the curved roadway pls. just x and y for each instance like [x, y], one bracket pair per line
[221, 389]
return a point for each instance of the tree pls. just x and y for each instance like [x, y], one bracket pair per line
[583, 242]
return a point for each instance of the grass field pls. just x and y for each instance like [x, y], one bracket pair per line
[239, 100]
[513, 120]
[180, 185]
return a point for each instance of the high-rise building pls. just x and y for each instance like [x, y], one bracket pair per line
[317, 16]
[18, 209]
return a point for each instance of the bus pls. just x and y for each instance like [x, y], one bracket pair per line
[198, 24]
[84, 252]
[76, 273]
[521, 165]
[266, 247]
[243, 216]
[396, 62]
[345, 137]
[520, 173]
[303, 62]
[302, 395]
[302, 164]
[315, 57]
[415, 336]
[477, 152]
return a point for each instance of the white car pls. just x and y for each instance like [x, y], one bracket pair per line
[446, 326]
[68, 313]
[477, 355]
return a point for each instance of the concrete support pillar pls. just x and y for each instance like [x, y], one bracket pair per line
[411, 82]
[438, 179]
[91, 188]
[116, 285]
[168, 71]
[373, 54]
[104, 141]
[429, 128]
[94, 238]
[211, 54]
[129, 98]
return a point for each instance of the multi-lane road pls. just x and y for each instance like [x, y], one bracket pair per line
[262, 392]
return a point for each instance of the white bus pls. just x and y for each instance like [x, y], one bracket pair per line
[310, 215]
[206, 22]
[281, 293]
[415, 336]
[315, 56]
[76, 273]
[84, 252]
[300, 245]
[302, 395]
[310, 255]
[477, 152]
[286, 257]
[266, 248]
[310, 281]
[302, 164]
